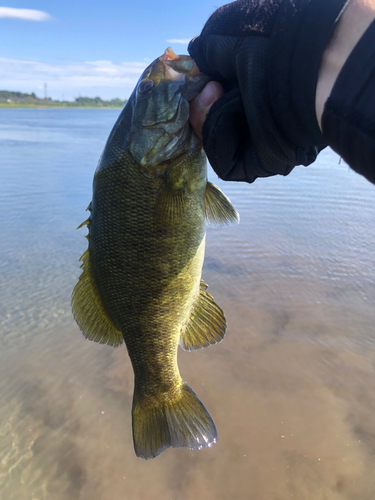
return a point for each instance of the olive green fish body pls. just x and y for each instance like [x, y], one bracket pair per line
[141, 278]
[147, 270]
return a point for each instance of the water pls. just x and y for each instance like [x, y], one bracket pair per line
[292, 387]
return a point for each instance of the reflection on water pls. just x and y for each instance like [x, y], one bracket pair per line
[292, 387]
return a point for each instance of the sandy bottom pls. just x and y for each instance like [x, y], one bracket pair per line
[295, 420]
[291, 389]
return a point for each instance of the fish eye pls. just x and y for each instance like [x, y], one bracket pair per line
[146, 86]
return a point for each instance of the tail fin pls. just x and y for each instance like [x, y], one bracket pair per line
[182, 422]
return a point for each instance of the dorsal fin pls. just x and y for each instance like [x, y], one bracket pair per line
[206, 325]
[219, 210]
[88, 310]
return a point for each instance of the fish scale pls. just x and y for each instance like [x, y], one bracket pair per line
[141, 278]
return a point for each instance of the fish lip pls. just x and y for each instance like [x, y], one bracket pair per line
[194, 80]
[169, 55]
[195, 85]
[196, 71]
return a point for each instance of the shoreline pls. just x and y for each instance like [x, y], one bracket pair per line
[32, 106]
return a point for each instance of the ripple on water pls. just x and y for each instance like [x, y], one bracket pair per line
[291, 389]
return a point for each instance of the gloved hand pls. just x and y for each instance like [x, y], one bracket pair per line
[266, 54]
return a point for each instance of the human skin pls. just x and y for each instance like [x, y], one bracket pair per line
[201, 105]
[353, 22]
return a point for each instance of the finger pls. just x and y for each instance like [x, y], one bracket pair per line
[200, 106]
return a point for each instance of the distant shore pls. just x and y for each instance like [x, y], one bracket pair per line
[10, 99]
[53, 106]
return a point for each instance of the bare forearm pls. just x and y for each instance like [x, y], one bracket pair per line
[354, 21]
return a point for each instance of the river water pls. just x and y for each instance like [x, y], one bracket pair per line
[291, 388]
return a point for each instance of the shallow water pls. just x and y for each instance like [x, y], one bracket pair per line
[292, 387]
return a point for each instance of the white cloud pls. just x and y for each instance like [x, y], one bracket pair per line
[104, 78]
[179, 40]
[25, 14]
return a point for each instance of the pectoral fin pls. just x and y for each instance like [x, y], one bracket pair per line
[219, 210]
[171, 199]
[207, 324]
[88, 310]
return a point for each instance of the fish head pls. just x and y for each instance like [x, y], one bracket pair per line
[160, 130]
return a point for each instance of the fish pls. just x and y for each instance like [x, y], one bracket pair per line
[141, 273]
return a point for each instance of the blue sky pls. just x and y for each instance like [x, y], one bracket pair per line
[96, 47]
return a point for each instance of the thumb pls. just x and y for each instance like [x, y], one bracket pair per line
[200, 106]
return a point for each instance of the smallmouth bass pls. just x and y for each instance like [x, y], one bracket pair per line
[141, 274]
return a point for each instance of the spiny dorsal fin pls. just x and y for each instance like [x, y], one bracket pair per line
[207, 324]
[219, 209]
[88, 310]
[203, 285]
[84, 223]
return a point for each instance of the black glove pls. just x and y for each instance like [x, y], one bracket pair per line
[266, 54]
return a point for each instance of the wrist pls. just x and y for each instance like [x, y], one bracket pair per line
[354, 21]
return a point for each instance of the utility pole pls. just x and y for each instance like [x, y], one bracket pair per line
[45, 90]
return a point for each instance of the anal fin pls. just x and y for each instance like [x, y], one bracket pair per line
[207, 324]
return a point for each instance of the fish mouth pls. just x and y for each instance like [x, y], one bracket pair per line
[177, 135]
[160, 130]
[169, 55]
[178, 65]
[183, 64]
